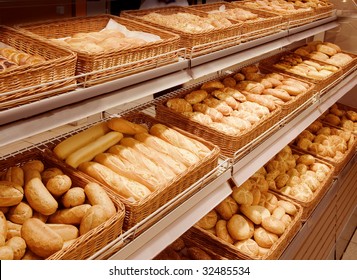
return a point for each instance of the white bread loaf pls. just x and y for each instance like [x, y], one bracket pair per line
[125, 126]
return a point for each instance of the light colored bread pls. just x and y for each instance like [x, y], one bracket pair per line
[124, 126]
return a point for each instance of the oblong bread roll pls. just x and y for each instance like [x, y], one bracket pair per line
[128, 189]
[79, 140]
[179, 140]
[125, 126]
[89, 151]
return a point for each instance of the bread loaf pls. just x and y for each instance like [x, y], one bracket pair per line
[196, 96]
[3, 225]
[79, 140]
[126, 188]
[89, 151]
[124, 126]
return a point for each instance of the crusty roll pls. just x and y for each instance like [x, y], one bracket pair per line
[179, 140]
[164, 160]
[265, 238]
[128, 189]
[15, 174]
[79, 140]
[3, 225]
[69, 216]
[10, 193]
[238, 227]
[255, 213]
[124, 126]
[179, 105]
[222, 231]
[94, 217]
[19, 213]
[262, 100]
[227, 208]
[196, 96]
[18, 246]
[273, 225]
[89, 151]
[182, 155]
[67, 232]
[209, 220]
[248, 246]
[59, 184]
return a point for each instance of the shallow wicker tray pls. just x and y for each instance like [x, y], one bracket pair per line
[324, 10]
[309, 206]
[293, 18]
[196, 43]
[338, 164]
[228, 144]
[320, 85]
[229, 251]
[27, 83]
[112, 64]
[85, 245]
[266, 24]
[137, 211]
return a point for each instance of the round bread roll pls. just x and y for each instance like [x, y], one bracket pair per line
[238, 227]
[222, 231]
[278, 212]
[12, 230]
[273, 225]
[10, 194]
[18, 246]
[73, 197]
[248, 246]
[59, 184]
[227, 208]
[209, 220]
[20, 213]
[271, 202]
[255, 213]
[265, 238]
[6, 253]
[289, 207]
[34, 165]
[242, 196]
[48, 173]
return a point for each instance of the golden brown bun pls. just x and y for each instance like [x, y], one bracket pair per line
[94, 217]
[19, 213]
[209, 220]
[227, 208]
[10, 193]
[238, 227]
[222, 231]
[18, 246]
[125, 126]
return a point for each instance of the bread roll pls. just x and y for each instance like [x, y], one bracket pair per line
[196, 96]
[248, 246]
[18, 246]
[15, 175]
[242, 196]
[265, 238]
[59, 184]
[179, 140]
[227, 208]
[73, 197]
[79, 140]
[49, 173]
[273, 225]
[182, 155]
[124, 126]
[10, 194]
[209, 220]
[70, 216]
[12, 229]
[160, 158]
[126, 188]
[278, 212]
[212, 85]
[238, 227]
[289, 207]
[20, 213]
[40, 238]
[262, 100]
[255, 213]
[3, 225]
[29, 255]
[35, 165]
[6, 253]
[67, 232]
[222, 231]
[179, 105]
[93, 217]
[89, 151]
[96, 195]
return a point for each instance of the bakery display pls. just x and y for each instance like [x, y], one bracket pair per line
[251, 222]
[326, 52]
[342, 116]
[278, 6]
[44, 212]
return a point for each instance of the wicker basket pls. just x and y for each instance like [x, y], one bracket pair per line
[228, 144]
[340, 163]
[197, 43]
[229, 251]
[85, 245]
[266, 24]
[293, 18]
[321, 85]
[137, 211]
[324, 9]
[116, 63]
[309, 206]
[29, 83]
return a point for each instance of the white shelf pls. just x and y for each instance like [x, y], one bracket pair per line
[153, 240]
[249, 164]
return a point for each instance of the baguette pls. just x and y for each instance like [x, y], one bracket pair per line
[126, 188]
[129, 170]
[89, 151]
[79, 140]
[179, 140]
[141, 162]
[124, 126]
[182, 155]
[162, 159]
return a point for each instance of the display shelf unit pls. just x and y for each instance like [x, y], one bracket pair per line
[24, 121]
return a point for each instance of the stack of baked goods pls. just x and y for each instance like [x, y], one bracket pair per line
[278, 6]
[305, 67]
[44, 211]
[10, 57]
[252, 220]
[188, 22]
[308, 3]
[97, 42]
[325, 51]
[183, 248]
[131, 159]
[341, 116]
[332, 144]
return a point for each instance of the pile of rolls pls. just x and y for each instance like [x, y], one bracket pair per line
[279, 6]
[252, 219]
[10, 57]
[336, 115]
[43, 212]
[325, 141]
[131, 159]
[235, 104]
[296, 175]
